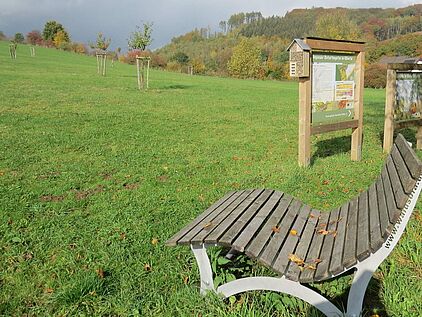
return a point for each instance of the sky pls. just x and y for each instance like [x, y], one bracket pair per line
[83, 19]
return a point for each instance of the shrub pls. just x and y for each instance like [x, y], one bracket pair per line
[34, 38]
[173, 66]
[375, 76]
[19, 38]
[246, 60]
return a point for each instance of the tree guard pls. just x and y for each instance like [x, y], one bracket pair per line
[101, 62]
[32, 51]
[12, 50]
[142, 69]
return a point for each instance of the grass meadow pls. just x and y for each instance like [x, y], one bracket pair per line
[95, 176]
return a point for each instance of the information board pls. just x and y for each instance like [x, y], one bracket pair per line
[408, 99]
[333, 87]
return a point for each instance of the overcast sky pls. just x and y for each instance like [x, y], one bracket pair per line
[117, 19]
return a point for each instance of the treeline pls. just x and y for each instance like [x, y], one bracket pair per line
[213, 53]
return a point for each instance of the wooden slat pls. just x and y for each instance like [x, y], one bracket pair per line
[289, 245]
[305, 239]
[389, 196]
[207, 221]
[336, 265]
[307, 275]
[375, 236]
[407, 123]
[399, 195]
[349, 255]
[252, 225]
[404, 174]
[322, 271]
[321, 44]
[323, 128]
[258, 242]
[412, 162]
[404, 66]
[231, 220]
[278, 238]
[386, 227]
[173, 240]
[219, 223]
[362, 246]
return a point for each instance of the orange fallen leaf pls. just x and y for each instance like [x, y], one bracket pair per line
[275, 229]
[209, 224]
[154, 241]
[185, 280]
[293, 232]
[100, 273]
[317, 261]
[310, 266]
[48, 290]
[122, 236]
[325, 182]
[323, 232]
[294, 258]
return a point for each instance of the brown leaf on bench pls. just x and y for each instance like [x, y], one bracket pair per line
[293, 232]
[275, 229]
[209, 224]
[310, 266]
[323, 232]
[294, 258]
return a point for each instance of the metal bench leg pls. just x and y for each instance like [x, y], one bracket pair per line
[281, 285]
[204, 265]
[357, 291]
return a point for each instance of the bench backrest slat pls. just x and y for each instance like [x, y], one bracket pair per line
[385, 224]
[406, 178]
[389, 195]
[412, 162]
[362, 247]
[399, 195]
[375, 234]
[349, 255]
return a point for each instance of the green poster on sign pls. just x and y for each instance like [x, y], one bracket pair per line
[333, 87]
[408, 103]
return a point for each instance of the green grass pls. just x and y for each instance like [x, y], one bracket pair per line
[91, 170]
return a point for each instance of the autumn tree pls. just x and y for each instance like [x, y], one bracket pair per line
[141, 38]
[180, 58]
[34, 37]
[337, 26]
[246, 60]
[50, 30]
[61, 39]
[19, 38]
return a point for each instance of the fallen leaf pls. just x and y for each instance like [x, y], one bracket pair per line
[10, 221]
[312, 215]
[28, 256]
[294, 258]
[147, 267]
[209, 224]
[235, 158]
[275, 229]
[154, 241]
[323, 232]
[201, 197]
[325, 182]
[186, 280]
[93, 293]
[48, 290]
[310, 266]
[293, 232]
[122, 236]
[317, 261]
[100, 273]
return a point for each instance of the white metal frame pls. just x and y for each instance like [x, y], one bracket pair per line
[363, 272]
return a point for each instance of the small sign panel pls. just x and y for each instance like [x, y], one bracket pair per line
[333, 87]
[408, 103]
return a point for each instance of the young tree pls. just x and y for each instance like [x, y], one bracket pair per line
[101, 43]
[50, 30]
[246, 60]
[34, 37]
[19, 38]
[141, 38]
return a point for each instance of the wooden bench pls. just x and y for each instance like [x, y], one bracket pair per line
[304, 245]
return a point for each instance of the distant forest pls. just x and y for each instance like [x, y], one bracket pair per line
[249, 45]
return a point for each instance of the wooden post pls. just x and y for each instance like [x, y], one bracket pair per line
[356, 150]
[305, 121]
[390, 90]
[98, 63]
[32, 51]
[148, 60]
[138, 72]
[419, 138]
[104, 64]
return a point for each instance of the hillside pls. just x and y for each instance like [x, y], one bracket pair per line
[210, 53]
